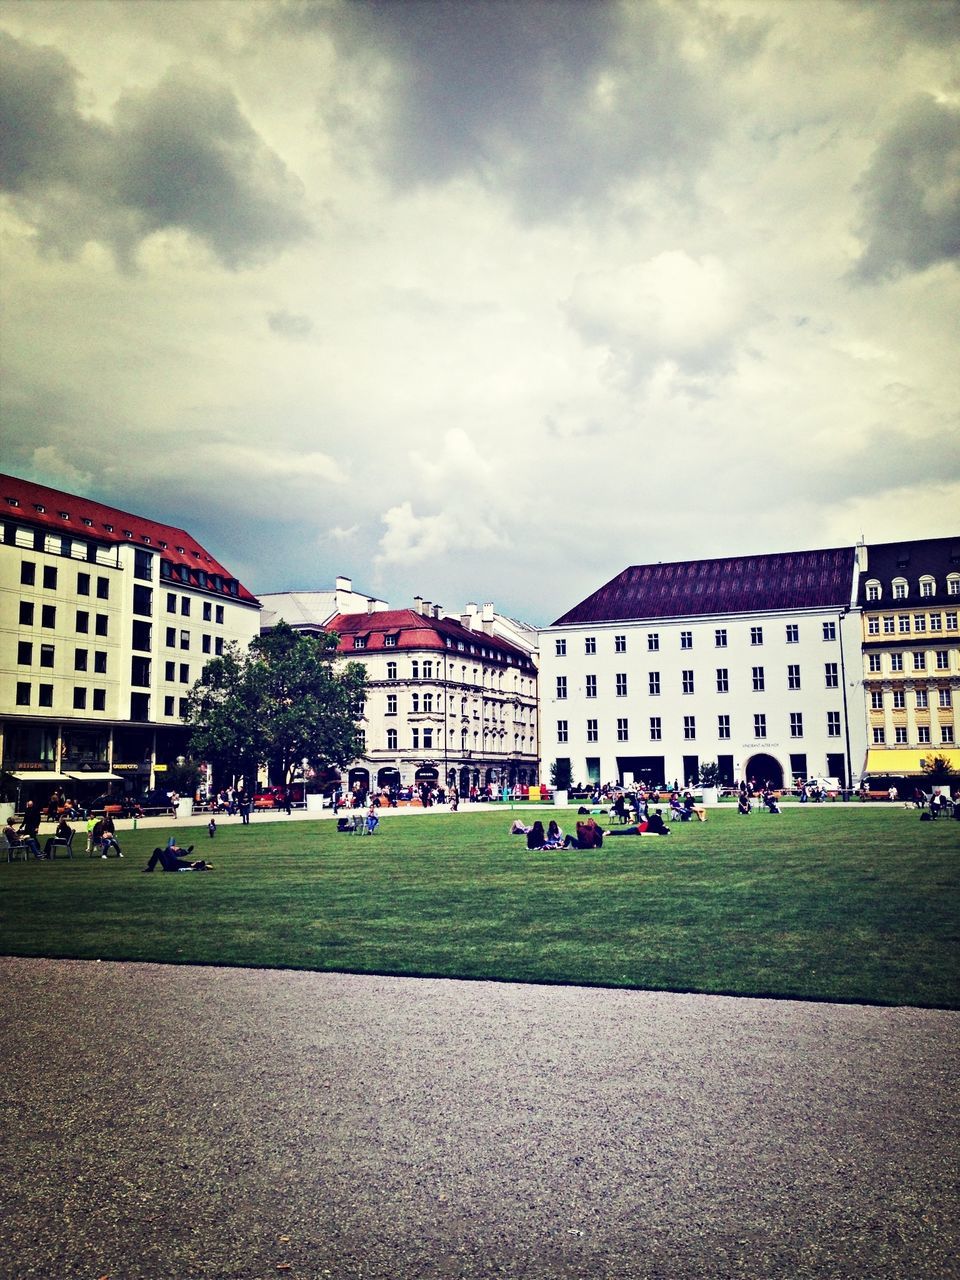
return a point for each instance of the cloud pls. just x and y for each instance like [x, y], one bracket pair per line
[413, 538]
[180, 156]
[672, 308]
[289, 325]
[911, 193]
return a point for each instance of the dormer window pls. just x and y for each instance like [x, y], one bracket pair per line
[127, 533]
[64, 515]
[390, 642]
[873, 591]
[88, 522]
[38, 506]
[359, 642]
[899, 589]
[162, 545]
[144, 538]
[109, 528]
[13, 502]
[953, 584]
[928, 587]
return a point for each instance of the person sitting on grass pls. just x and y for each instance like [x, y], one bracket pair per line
[171, 859]
[535, 836]
[589, 836]
[656, 825]
[554, 835]
[743, 803]
[633, 829]
[770, 800]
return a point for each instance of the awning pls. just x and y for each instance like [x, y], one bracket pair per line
[94, 777]
[40, 775]
[907, 760]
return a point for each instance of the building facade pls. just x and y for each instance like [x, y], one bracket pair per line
[909, 595]
[752, 663]
[448, 702]
[106, 620]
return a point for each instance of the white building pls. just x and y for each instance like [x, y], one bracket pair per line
[106, 620]
[749, 662]
[312, 610]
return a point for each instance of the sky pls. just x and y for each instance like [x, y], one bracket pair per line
[485, 301]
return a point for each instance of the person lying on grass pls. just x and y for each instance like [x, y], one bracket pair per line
[654, 826]
[170, 859]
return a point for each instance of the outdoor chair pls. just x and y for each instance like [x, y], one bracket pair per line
[66, 845]
[14, 849]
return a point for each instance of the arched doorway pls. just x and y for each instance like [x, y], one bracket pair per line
[388, 777]
[764, 770]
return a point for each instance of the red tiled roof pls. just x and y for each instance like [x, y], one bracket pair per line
[38, 505]
[413, 630]
[737, 584]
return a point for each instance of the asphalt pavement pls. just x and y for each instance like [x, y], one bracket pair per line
[176, 1122]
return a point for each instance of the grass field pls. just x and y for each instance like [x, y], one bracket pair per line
[836, 903]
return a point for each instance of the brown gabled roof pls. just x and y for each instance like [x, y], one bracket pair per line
[735, 584]
[38, 505]
[413, 630]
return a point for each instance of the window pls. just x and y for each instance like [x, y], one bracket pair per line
[876, 700]
[796, 724]
[900, 735]
[415, 739]
[415, 703]
[359, 642]
[218, 646]
[24, 653]
[140, 672]
[184, 673]
[829, 631]
[391, 704]
[656, 729]
[946, 731]
[45, 695]
[621, 680]
[83, 584]
[428, 702]
[391, 671]
[831, 675]
[899, 589]
[103, 588]
[723, 680]
[793, 633]
[758, 680]
[171, 602]
[923, 734]
[100, 624]
[620, 644]
[903, 623]
[205, 644]
[953, 584]
[833, 724]
[592, 732]
[26, 613]
[143, 565]
[218, 612]
[720, 638]
[561, 687]
[759, 726]
[48, 615]
[896, 662]
[943, 660]
[686, 678]
[428, 739]
[689, 727]
[589, 645]
[653, 641]
[623, 729]
[140, 706]
[185, 606]
[170, 637]
[944, 698]
[99, 699]
[873, 662]
[793, 675]
[591, 686]
[936, 621]
[415, 669]
[873, 591]
[169, 671]
[923, 700]
[561, 647]
[920, 622]
[428, 670]
[184, 639]
[46, 655]
[919, 661]
[207, 611]
[143, 600]
[391, 739]
[562, 730]
[83, 622]
[888, 625]
[756, 635]
[50, 577]
[79, 699]
[723, 727]
[899, 699]
[28, 573]
[686, 639]
[873, 626]
[23, 693]
[879, 737]
[951, 622]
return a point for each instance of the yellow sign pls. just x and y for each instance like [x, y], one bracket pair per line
[533, 795]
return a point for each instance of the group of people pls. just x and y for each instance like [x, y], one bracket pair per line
[590, 834]
[767, 797]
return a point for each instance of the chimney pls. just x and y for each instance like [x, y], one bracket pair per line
[488, 611]
[437, 611]
[418, 604]
[426, 609]
[343, 584]
[466, 620]
[369, 606]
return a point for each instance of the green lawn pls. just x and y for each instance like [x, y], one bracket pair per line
[836, 903]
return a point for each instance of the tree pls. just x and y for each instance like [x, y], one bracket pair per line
[710, 774]
[937, 770]
[284, 700]
[560, 774]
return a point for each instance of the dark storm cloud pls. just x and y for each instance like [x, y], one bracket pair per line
[911, 193]
[555, 101]
[178, 156]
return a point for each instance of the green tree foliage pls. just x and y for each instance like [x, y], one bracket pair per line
[938, 770]
[283, 700]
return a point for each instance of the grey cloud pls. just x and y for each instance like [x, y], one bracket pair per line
[289, 324]
[555, 102]
[179, 156]
[911, 193]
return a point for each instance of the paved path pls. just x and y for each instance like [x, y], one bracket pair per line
[230, 1123]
